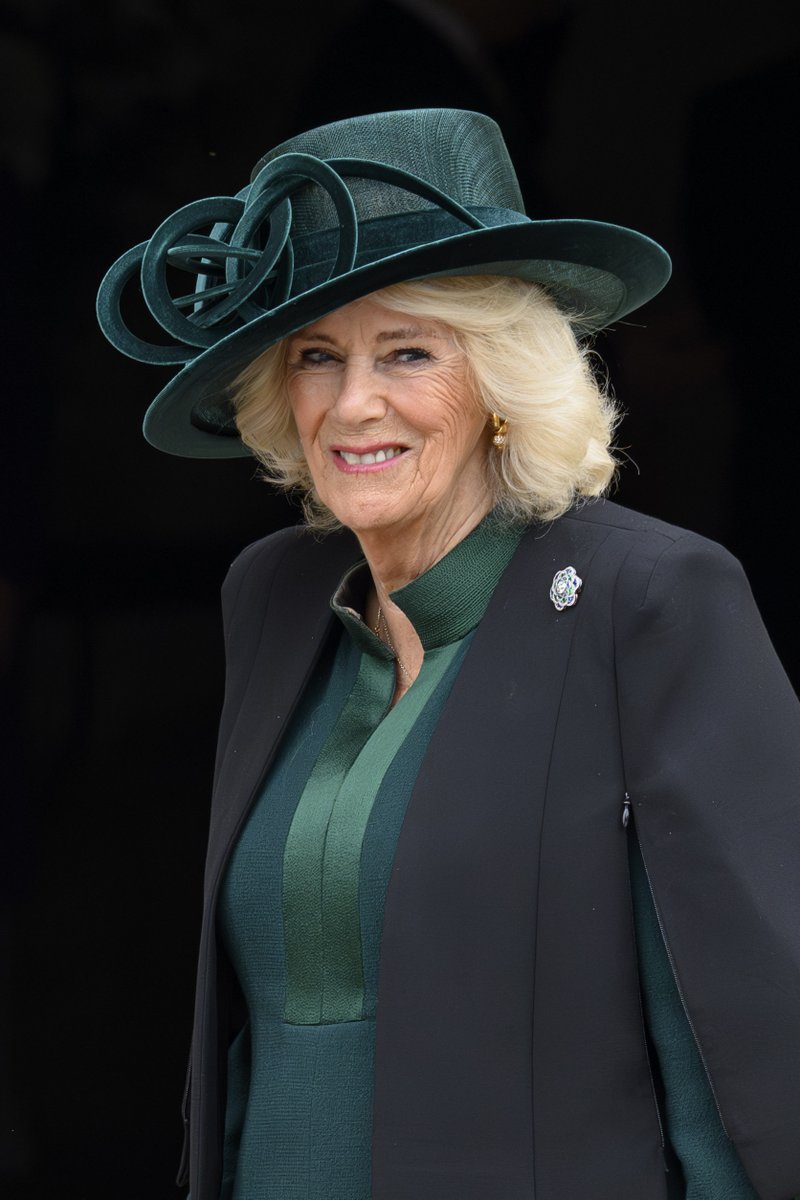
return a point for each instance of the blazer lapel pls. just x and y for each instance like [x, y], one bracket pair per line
[452, 1110]
[265, 683]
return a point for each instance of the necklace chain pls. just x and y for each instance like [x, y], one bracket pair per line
[386, 637]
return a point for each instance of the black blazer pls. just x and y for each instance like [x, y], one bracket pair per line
[511, 1060]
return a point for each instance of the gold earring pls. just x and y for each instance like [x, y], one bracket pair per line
[500, 427]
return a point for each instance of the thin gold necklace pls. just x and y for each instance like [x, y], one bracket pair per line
[387, 638]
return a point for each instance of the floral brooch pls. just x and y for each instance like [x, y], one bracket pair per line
[566, 588]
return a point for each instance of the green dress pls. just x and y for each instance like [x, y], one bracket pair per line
[302, 907]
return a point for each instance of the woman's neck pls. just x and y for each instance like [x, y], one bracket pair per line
[393, 562]
[397, 557]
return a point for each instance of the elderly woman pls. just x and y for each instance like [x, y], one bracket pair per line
[501, 890]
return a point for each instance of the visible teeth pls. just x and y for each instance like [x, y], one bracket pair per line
[367, 459]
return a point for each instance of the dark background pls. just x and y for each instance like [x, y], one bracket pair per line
[676, 117]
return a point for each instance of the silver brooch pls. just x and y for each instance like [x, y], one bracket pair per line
[566, 587]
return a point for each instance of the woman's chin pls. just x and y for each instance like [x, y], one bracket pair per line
[371, 520]
[365, 503]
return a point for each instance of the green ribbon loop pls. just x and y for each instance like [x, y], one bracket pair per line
[244, 268]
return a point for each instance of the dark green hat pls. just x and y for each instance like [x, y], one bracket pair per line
[337, 213]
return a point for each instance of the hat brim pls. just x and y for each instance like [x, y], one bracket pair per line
[597, 272]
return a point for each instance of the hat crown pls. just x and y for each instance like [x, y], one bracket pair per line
[462, 153]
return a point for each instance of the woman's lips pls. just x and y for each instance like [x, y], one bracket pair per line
[374, 458]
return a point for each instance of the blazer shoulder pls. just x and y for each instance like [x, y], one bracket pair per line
[263, 553]
[652, 547]
[609, 515]
[299, 551]
[642, 530]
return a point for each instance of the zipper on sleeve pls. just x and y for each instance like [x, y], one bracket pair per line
[626, 811]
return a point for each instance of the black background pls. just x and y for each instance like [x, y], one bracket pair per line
[677, 118]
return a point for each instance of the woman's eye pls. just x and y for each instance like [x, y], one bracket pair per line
[411, 354]
[314, 357]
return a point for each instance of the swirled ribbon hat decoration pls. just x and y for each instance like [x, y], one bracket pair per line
[330, 216]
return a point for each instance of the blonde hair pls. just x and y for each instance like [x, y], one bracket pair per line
[525, 363]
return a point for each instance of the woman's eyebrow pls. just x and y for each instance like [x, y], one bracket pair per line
[308, 335]
[412, 331]
[386, 335]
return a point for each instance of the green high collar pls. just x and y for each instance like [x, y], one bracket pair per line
[448, 600]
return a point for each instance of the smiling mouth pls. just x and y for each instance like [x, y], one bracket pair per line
[369, 459]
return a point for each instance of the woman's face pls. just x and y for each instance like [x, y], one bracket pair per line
[391, 431]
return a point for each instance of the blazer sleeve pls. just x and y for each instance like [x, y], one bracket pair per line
[710, 731]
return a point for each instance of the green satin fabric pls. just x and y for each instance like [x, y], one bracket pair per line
[322, 860]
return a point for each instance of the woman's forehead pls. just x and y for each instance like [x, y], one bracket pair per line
[370, 317]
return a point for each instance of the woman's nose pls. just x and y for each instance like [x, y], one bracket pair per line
[360, 395]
